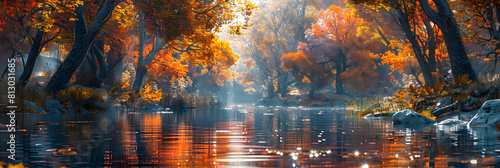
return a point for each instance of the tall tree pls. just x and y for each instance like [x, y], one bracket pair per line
[83, 40]
[40, 22]
[483, 18]
[337, 32]
[419, 32]
[307, 69]
[278, 27]
[444, 18]
[187, 26]
[104, 58]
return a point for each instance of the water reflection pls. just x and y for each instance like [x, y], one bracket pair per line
[245, 136]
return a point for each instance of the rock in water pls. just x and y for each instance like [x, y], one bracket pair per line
[488, 115]
[452, 122]
[378, 116]
[53, 106]
[261, 102]
[152, 107]
[411, 119]
[34, 107]
[374, 106]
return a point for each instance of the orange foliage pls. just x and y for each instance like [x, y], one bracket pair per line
[363, 76]
[335, 24]
[214, 63]
[402, 61]
[306, 68]
[166, 66]
[344, 47]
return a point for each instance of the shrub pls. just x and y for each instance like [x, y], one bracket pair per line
[81, 98]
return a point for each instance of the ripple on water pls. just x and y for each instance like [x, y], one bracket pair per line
[246, 136]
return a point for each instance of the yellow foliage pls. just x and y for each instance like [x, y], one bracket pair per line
[250, 90]
[81, 97]
[306, 80]
[151, 95]
[428, 114]
[454, 90]
[51, 7]
[401, 61]
[204, 71]
[462, 80]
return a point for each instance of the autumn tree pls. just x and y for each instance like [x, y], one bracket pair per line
[337, 32]
[426, 38]
[83, 38]
[278, 27]
[112, 44]
[188, 27]
[419, 32]
[13, 28]
[264, 72]
[39, 22]
[483, 18]
[384, 32]
[209, 79]
[444, 18]
[306, 69]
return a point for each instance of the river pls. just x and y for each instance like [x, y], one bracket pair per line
[243, 136]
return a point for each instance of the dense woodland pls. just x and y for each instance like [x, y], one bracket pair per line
[195, 53]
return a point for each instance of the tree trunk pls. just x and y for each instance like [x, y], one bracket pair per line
[283, 84]
[143, 62]
[97, 50]
[140, 70]
[84, 72]
[419, 54]
[445, 20]
[338, 80]
[431, 43]
[270, 89]
[33, 55]
[459, 61]
[140, 74]
[94, 78]
[313, 88]
[83, 40]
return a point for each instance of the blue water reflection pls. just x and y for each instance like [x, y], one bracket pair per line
[244, 136]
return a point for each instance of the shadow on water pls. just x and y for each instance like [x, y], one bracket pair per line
[243, 136]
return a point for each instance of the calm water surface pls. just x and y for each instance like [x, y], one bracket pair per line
[244, 136]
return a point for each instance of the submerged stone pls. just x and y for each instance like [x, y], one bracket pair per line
[487, 116]
[152, 107]
[261, 102]
[33, 107]
[452, 122]
[410, 119]
[378, 115]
